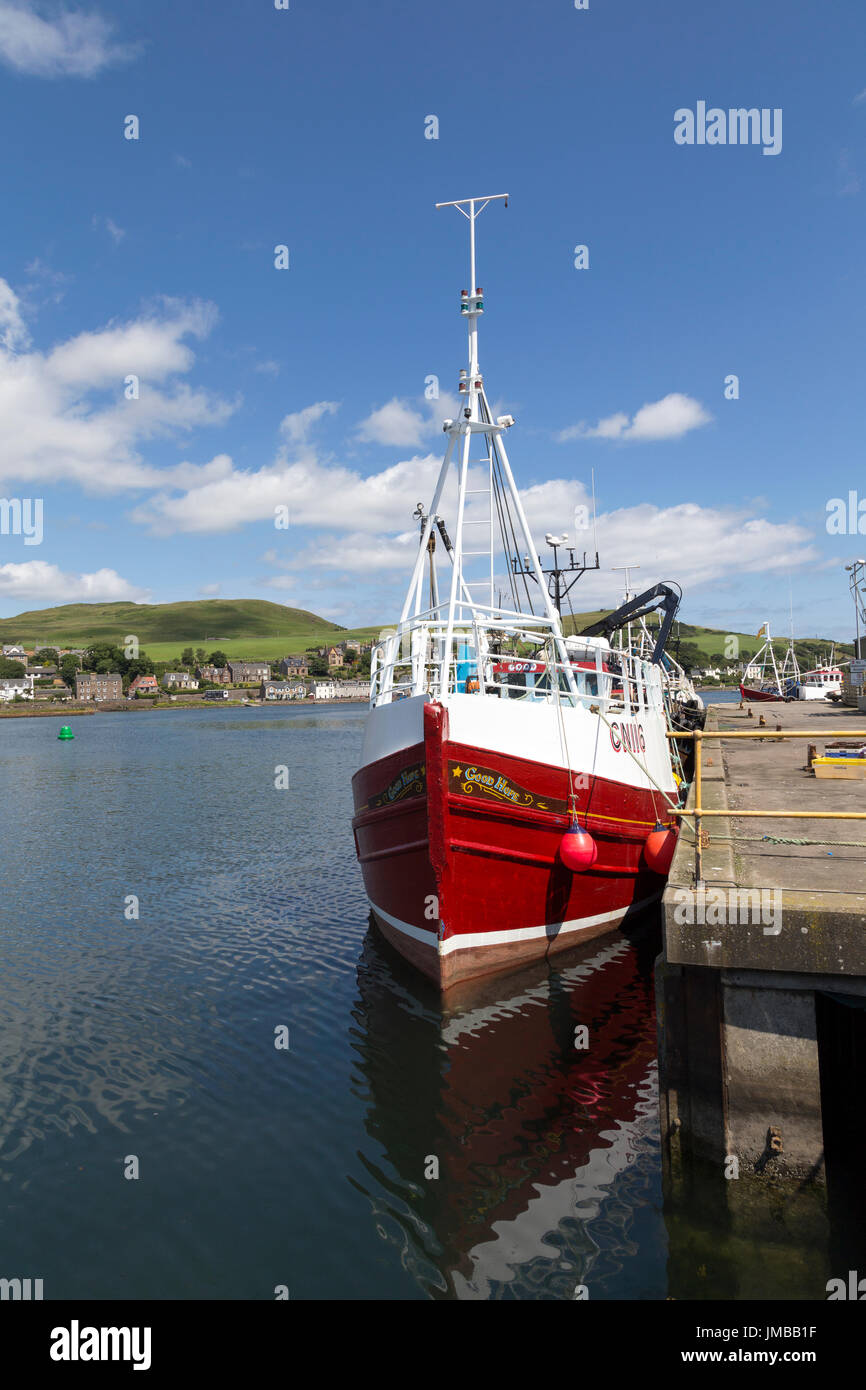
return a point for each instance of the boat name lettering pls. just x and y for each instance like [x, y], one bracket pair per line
[411, 779]
[628, 736]
[409, 774]
[469, 779]
[496, 784]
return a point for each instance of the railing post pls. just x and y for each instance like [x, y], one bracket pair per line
[699, 867]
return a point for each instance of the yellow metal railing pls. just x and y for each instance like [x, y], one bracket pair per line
[698, 811]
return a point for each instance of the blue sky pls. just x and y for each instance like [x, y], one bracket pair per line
[305, 387]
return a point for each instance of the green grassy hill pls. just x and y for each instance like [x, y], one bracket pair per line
[239, 627]
[712, 640]
[256, 628]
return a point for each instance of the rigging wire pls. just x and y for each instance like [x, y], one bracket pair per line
[506, 519]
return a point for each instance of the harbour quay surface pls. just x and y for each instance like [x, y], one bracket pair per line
[761, 985]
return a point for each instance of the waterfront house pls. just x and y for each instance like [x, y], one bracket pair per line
[97, 685]
[249, 672]
[282, 690]
[353, 690]
[325, 690]
[144, 685]
[179, 680]
[217, 675]
[10, 686]
[297, 666]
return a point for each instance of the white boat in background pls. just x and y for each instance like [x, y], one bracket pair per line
[822, 682]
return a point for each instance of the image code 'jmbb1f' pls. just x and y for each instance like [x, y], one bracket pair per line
[516, 783]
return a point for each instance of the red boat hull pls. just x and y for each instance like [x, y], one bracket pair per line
[459, 849]
[764, 696]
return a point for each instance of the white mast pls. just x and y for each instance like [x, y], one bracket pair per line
[471, 423]
[461, 610]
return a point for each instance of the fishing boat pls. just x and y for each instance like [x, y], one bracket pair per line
[823, 682]
[517, 787]
[773, 682]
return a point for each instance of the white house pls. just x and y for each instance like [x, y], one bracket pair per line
[16, 685]
[354, 690]
[325, 690]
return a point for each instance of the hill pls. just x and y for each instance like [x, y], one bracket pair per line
[713, 642]
[240, 627]
[255, 628]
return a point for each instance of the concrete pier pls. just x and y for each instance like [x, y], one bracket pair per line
[762, 981]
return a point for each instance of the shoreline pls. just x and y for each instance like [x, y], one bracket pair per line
[137, 707]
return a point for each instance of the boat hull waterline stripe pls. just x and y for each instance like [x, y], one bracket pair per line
[471, 940]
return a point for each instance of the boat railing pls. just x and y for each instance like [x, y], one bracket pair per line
[485, 658]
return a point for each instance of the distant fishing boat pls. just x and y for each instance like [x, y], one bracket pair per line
[516, 786]
[772, 683]
[823, 682]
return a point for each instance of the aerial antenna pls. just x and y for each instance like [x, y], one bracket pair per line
[473, 303]
[594, 526]
[461, 205]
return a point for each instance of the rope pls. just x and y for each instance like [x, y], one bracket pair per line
[785, 840]
[550, 650]
[645, 770]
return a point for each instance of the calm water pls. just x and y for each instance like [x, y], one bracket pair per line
[710, 696]
[154, 1038]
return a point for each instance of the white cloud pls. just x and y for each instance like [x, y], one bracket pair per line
[329, 496]
[208, 590]
[394, 424]
[688, 543]
[73, 44]
[55, 427]
[13, 334]
[692, 545]
[296, 427]
[116, 233]
[670, 418]
[861, 96]
[357, 552]
[36, 579]
[400, 423]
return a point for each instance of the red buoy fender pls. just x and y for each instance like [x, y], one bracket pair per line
[659, 849]
[577, 849]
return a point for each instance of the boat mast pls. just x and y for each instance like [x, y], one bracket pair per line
[477, 420]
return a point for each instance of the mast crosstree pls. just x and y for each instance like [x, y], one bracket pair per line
[462, 608]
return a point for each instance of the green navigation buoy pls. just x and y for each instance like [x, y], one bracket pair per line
[66, 732]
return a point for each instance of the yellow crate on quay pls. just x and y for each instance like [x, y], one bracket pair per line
[848, 769]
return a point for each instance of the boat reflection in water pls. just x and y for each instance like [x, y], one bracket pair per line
[547, 1150]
